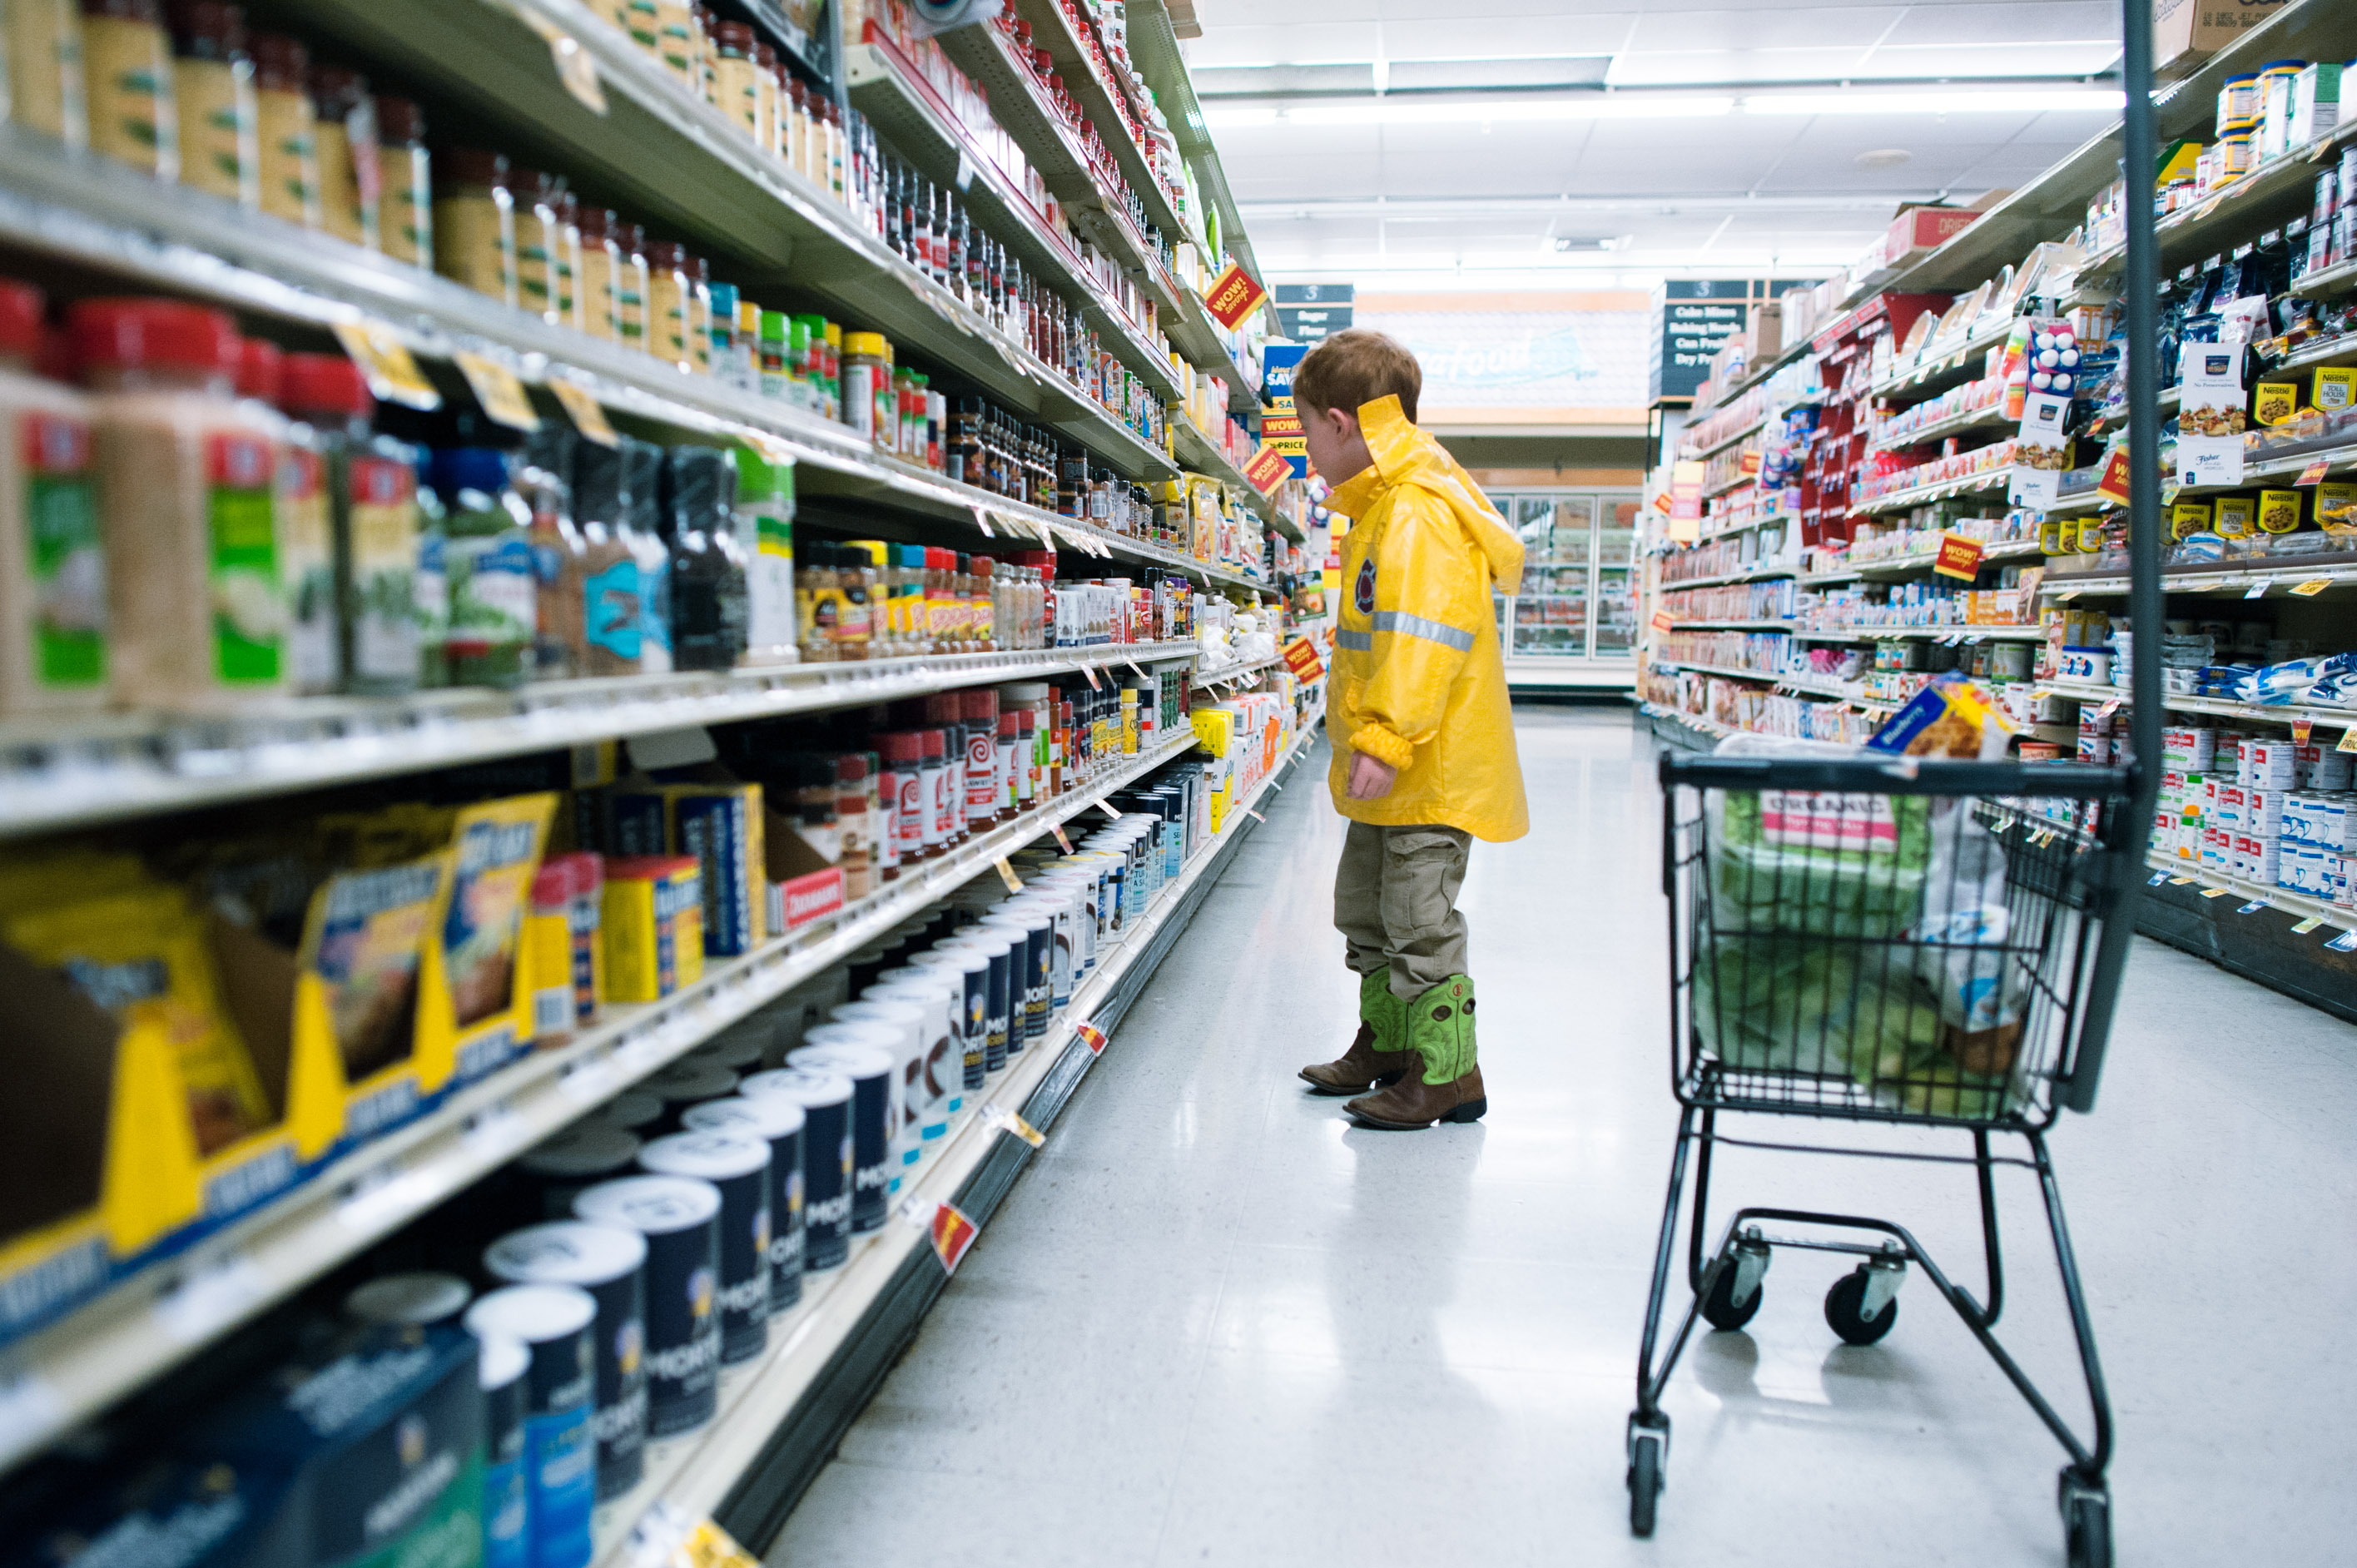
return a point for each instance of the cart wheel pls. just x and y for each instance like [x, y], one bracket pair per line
[1645, 1482]
[1844, 1307]
[1720, 1307]
[2086, 1524]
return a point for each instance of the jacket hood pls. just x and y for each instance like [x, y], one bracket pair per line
[1405, 455]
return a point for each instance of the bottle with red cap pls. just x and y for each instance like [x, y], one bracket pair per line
[53, 632]
[979, 712]
[196, 606]
[372, 497]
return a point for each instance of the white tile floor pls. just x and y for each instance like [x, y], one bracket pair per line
[1214, 1323]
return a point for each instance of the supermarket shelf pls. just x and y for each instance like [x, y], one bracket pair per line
[668, 158]
[1739, 482]
[72, 773]
[893, 92]
[1232, 674]
[2326, 282]
[1728, 671]
[1737, 439]
[1939, 633]
[1732, 626]
[1198, 453]
[1823, 579]
[1205, 342]
[2223, 707]
[1696, 725]
[1154, 50]
[1991, 418]
[1919, 495]
[2339, 572]
[2282, 899]
[168, 1312]
[1753, 376]
[1760, 574]
[2269, 195]
[1937, 371]
[1905, 566]
[775, 1424]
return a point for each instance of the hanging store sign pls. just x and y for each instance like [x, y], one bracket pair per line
[1958, 557]
[1268, 470]
[2041, 451]
[1301, 657]
[1280, 422]
[1310, 313]
[2210, 417]
[1233, 296]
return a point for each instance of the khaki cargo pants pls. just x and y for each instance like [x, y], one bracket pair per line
[1396, 904]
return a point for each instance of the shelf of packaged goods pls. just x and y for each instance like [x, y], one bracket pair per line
[1965, 634]
[1919, 495]
[1990, 418]
[1907, 565]
[1753, 376]
[2326, 282]
[2180, 870]
[1762, 575]
[1052, 31]
[1154, 49]
[1204, 342]
[775, 1424]
[1199, 454]
[2223, 707]
[165, 1314]
[1232, 675]
[2338, 573]
[1772, 520]
[906, 110]
[1709, 729]
[1730, 486]
[1937, 368]
[1721, 445]
[63, 773]
[2266, 198]
[1731, 674]
[1732, 626]
[665, 156]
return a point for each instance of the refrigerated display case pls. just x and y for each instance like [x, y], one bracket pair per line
[1572, 620]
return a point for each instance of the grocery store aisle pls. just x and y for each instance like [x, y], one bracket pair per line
[1214, 1323]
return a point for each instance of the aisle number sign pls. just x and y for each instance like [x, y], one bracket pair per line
[1233, 296]
[1958, 557]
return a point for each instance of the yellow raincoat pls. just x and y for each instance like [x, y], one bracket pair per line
[1417, 680]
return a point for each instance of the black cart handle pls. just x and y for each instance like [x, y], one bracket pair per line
[1899, 776]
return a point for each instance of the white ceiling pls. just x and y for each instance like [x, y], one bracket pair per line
[1711, 170]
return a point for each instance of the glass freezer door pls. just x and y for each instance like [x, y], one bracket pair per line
[1616, 575]
[1551, 611]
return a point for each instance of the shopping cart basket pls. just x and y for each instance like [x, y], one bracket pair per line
[1883, 941]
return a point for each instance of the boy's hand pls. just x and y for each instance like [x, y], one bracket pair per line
[1371, 777]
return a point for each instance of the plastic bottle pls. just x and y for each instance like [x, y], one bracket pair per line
[212, 91]
[598, 285]
[127, 69]
[307, 541]
[404, 201]
[708, 594]
[610, 567]
[285, 128]
[765, 537]
[667, 304]
[53, 631]
[196, 610]
[699, 316]
[539, 245]
[642, 503]
[373, 493]
[494, 591]
[474, 222]
[543, 477]
[430, 584]
[344, 135]
[633, 287]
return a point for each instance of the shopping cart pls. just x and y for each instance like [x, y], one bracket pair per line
[1886, 941]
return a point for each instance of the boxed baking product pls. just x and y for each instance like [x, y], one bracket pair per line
[652, 926]
[495, 848]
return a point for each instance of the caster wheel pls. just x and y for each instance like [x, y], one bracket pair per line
[1844, 1308]
[1645, 1482]
[1721, 1310]
[2086, 1525]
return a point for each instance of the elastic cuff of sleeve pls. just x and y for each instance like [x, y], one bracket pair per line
[1382, 745]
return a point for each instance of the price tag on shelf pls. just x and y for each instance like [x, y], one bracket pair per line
[1006, 874]
[2314, 473]
[981, 519]
[2345, 942]
[2302, 928]
[387, 364]
[1091, 672]
[1108, 810]
[1091, 1036]
[2215, 892]
[2178, 881]
[582, 407]
[1063, 841]
[1007, 1121]
[950, 1231]
[2156, 879]
[2310, 588]
[2111, 706]
[1255, 816]
[2255, 591]
[574, 68]
[2348, 739]
[2253, 908]
[497, 388]
[965, 170]
[208, 1298]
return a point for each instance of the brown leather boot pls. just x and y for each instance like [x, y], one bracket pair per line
[1412, 1103]
[1360, 1068]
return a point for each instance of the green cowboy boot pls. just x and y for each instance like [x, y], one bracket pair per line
[1448, 1088]
[1377, 1056]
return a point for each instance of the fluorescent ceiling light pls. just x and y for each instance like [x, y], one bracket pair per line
[1997, 100]
[1496, 111]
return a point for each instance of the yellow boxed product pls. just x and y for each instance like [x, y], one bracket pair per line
[2335, 507]
[484, 989]
[2188, 517]
[2234, 516]
[2278, 512]
[366, 942]
[652, 929]
[1215, 728]
[721, 825]
[2275, 402]
[2336, 389]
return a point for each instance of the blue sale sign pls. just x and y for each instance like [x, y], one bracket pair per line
[1280, 424]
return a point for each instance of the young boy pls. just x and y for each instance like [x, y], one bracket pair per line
[1421, 725]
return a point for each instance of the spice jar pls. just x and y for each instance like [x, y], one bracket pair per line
[737, 78]
[598, 285]
[212, 89]
[722, 354]
[43, 39]
[565, 258]
[632, 287]
[866, 386]
[772, 377]
[307, 545]
[127, 69]
[345, 137]
[667, 304]
[53, 634]
[195, 609]
[676, 41]
[816, 606]
[768, 90]
[699, 316]
[373, 496]
[765, 536]
[405, 202]
[474, 222]
[539, 244]
[285, 129]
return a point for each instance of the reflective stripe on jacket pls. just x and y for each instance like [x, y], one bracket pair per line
[1417, 680]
